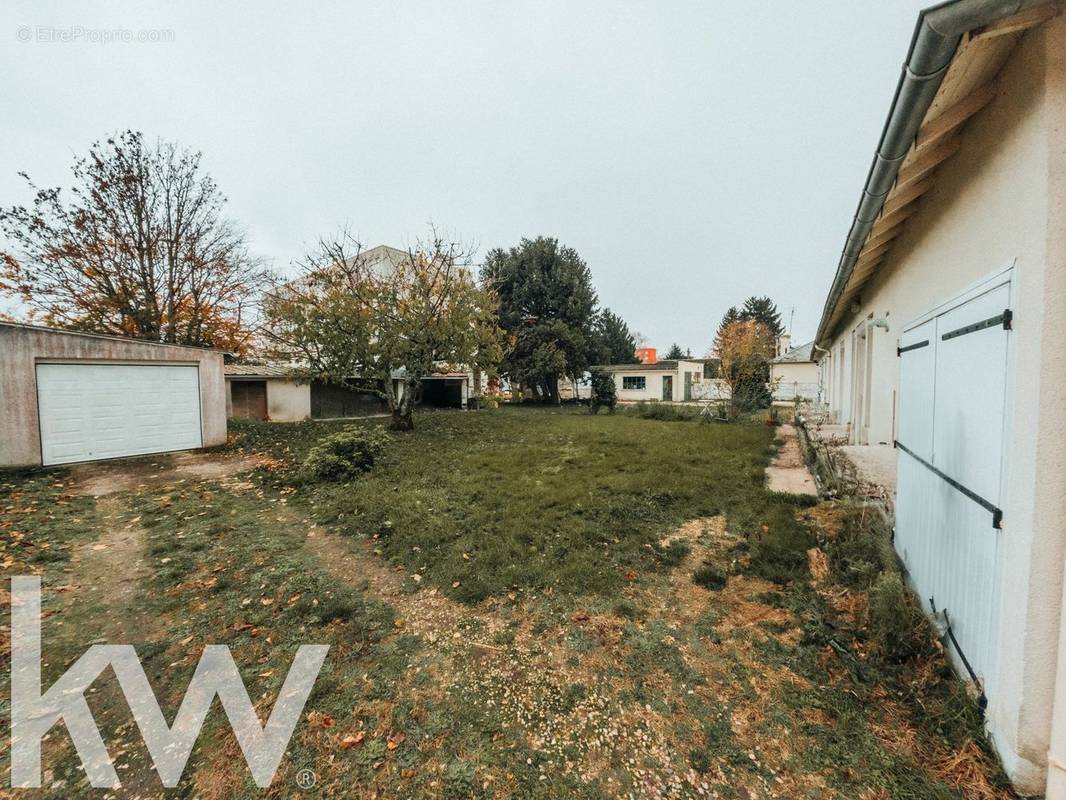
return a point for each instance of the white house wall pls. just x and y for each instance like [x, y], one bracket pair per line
[795, 379]
[987, 209]
[1000, 201]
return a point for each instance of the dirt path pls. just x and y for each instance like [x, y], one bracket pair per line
[105, 478]
[788, 471]
[426, 611]
[107, 574]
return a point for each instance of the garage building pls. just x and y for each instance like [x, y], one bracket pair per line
[67, 397]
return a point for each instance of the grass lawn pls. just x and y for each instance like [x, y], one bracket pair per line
[522, 603]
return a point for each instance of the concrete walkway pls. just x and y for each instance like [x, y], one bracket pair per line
[788, 471]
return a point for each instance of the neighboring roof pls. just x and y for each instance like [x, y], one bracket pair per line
[111, 337]
[666, 365]
[257, 370]
[796, 355]
[957, 50]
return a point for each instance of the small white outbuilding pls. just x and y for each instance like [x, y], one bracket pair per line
[672, 380]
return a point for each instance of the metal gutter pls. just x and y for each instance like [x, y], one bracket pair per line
[936, 38]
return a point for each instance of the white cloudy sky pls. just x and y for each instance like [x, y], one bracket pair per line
[693, 153]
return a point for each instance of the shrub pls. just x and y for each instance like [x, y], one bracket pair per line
[603, 391]
[895, 621]
[664, 411]
[709, 577]
[345, 454]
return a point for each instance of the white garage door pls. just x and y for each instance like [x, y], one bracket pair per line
[93, 411]
[952, 405]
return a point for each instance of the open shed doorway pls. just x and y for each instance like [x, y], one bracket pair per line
[442, 392]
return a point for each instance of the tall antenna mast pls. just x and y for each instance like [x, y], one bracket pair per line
[791, 316]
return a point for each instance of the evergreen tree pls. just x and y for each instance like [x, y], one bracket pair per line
[613, 342]
[547, 308]
[730, 316]
[675, 352]
[763, 311]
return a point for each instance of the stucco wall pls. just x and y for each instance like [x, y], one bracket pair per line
[653, 383]
[790, 380]
[21, 347]
[288, 401]
[1000, 201]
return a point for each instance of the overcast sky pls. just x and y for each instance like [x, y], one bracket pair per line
[693, 153]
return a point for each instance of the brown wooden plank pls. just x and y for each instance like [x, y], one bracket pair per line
[886, 221]
[1022, 21]
[883, 237]
[918, 167]
[872, 253]
[899, 199]
[936, 129]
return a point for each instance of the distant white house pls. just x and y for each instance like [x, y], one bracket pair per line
[794, 375]
[672, 380]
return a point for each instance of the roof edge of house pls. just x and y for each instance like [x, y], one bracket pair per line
[936, 39]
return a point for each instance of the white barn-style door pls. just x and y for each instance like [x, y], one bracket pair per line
[949, 503]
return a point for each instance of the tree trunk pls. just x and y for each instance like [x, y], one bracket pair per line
[402, 421]
[403, 408]
[551, 388]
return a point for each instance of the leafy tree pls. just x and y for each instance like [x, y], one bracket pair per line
[745, 349]
[348, 321]
[603, 391]
[675, 352]
[139, 247]
[763, 310]
[613, 342]
[546, 308]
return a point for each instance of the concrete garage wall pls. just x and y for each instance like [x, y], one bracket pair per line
[288, 401]
[23, 346]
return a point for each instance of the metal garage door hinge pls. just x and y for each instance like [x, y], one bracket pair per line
[901, 350]
[1006, 318]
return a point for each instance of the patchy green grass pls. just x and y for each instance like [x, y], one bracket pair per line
[528, 499]
[522, 604]
[41, 522]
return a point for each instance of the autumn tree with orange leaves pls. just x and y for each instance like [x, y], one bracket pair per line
[745, 349]
[138, 247]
